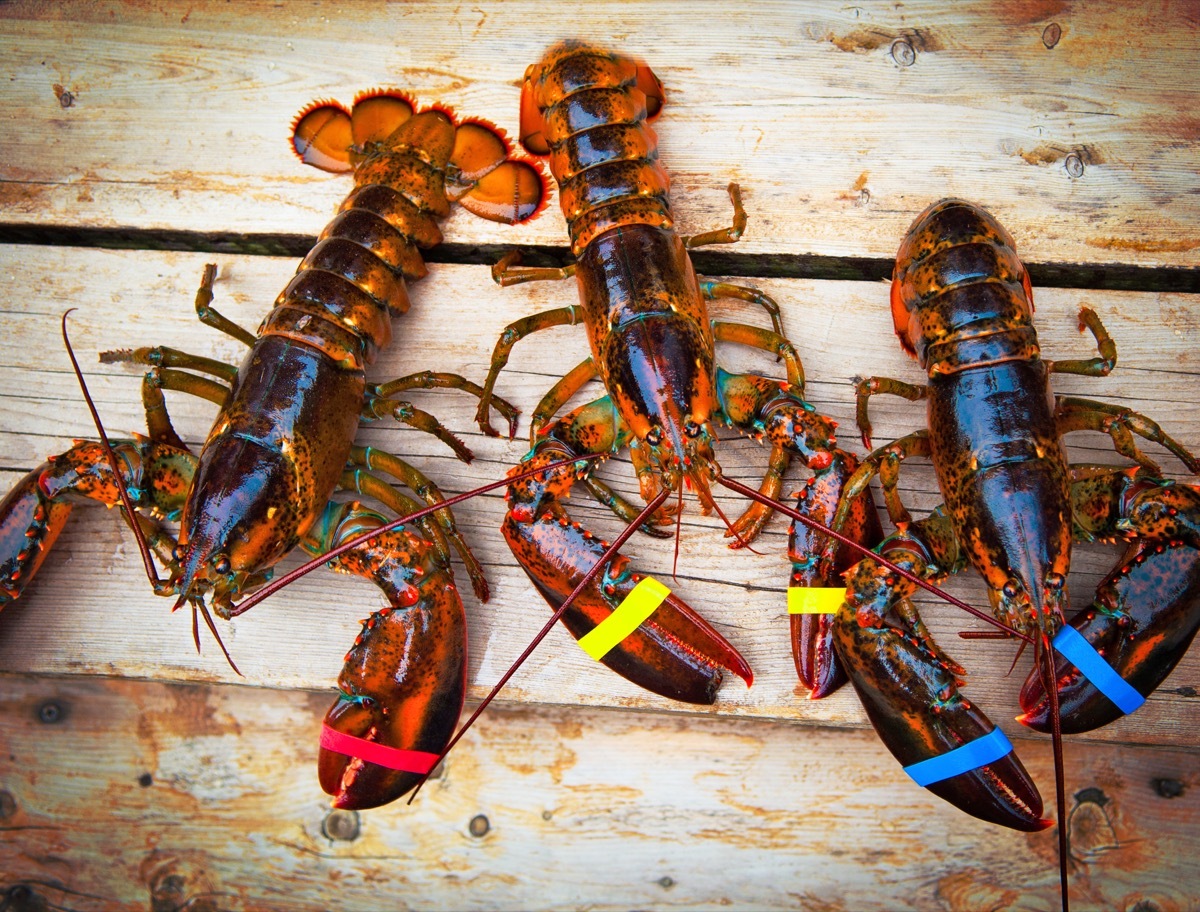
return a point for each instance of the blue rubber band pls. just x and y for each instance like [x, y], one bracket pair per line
[984, 750]
[1080, 653]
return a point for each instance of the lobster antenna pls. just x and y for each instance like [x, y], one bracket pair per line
[1046, 663]
[678, 535]
[312, 564]
[753, 494]
[111, 455]
[737, 536]
[203, 609]
[127, 504]
[612, 549]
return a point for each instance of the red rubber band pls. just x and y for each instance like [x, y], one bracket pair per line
[408, 761]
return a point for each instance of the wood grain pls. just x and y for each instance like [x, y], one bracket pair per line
[184, 802]
[1086, 148]
[135, 771]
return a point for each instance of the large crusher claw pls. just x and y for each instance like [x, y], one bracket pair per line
[674, 653]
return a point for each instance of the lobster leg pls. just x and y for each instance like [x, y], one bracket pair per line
[673, 652]
[162, 357]
[432, 380]
[1100, 366]
[729, 235]
[419, 419]
[866, 387]
[1074, 414]
[209, 316]
[170, 369]
[775, 410]
[772, 342]
[513, 333]
[404, 679]
[509, 271]
[769, 410]
[417, 482]
[910, 689]
[1146, 612]
[713, 290]
[559, 395]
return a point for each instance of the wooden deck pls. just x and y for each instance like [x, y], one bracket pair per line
[135, 772]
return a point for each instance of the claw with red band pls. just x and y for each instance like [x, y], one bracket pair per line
[404, 680]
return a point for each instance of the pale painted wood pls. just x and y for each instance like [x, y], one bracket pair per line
[204, 797]
[1086, 149]
[91, 611]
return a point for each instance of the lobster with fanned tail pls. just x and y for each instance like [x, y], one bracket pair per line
[283, 442]
[962, 304]
[652, 347]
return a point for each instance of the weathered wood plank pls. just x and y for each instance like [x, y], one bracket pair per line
[1085, 145]
[91, 611]
[183, 801]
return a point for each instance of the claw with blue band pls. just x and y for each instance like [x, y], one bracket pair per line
[972, 755]
[1077, 650]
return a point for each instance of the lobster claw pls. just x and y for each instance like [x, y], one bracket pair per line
[675, 653]
[913, 701]
[403, 682]
[1140, 625]
[812, 633]
[30, 523]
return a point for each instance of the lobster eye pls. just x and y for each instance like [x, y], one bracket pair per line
[222, 565]
[654, 436]
[691, 428]
[1055, 581]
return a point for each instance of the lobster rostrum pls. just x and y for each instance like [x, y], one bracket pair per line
[653, 349]
[284, 440]
[962, 304]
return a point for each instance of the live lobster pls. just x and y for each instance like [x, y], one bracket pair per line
[962, 305]
[653, 349]
[284, 440]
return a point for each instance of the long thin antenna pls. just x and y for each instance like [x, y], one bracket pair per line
[559, 612]
[304, 569]
[130, 516]
[867, 552]
[111, 455]
[1060, 779]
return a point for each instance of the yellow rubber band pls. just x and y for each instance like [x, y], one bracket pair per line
[815, 599]
[625, 619]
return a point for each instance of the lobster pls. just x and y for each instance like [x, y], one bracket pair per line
[962, 305]
[653, 348]
[284, 440]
